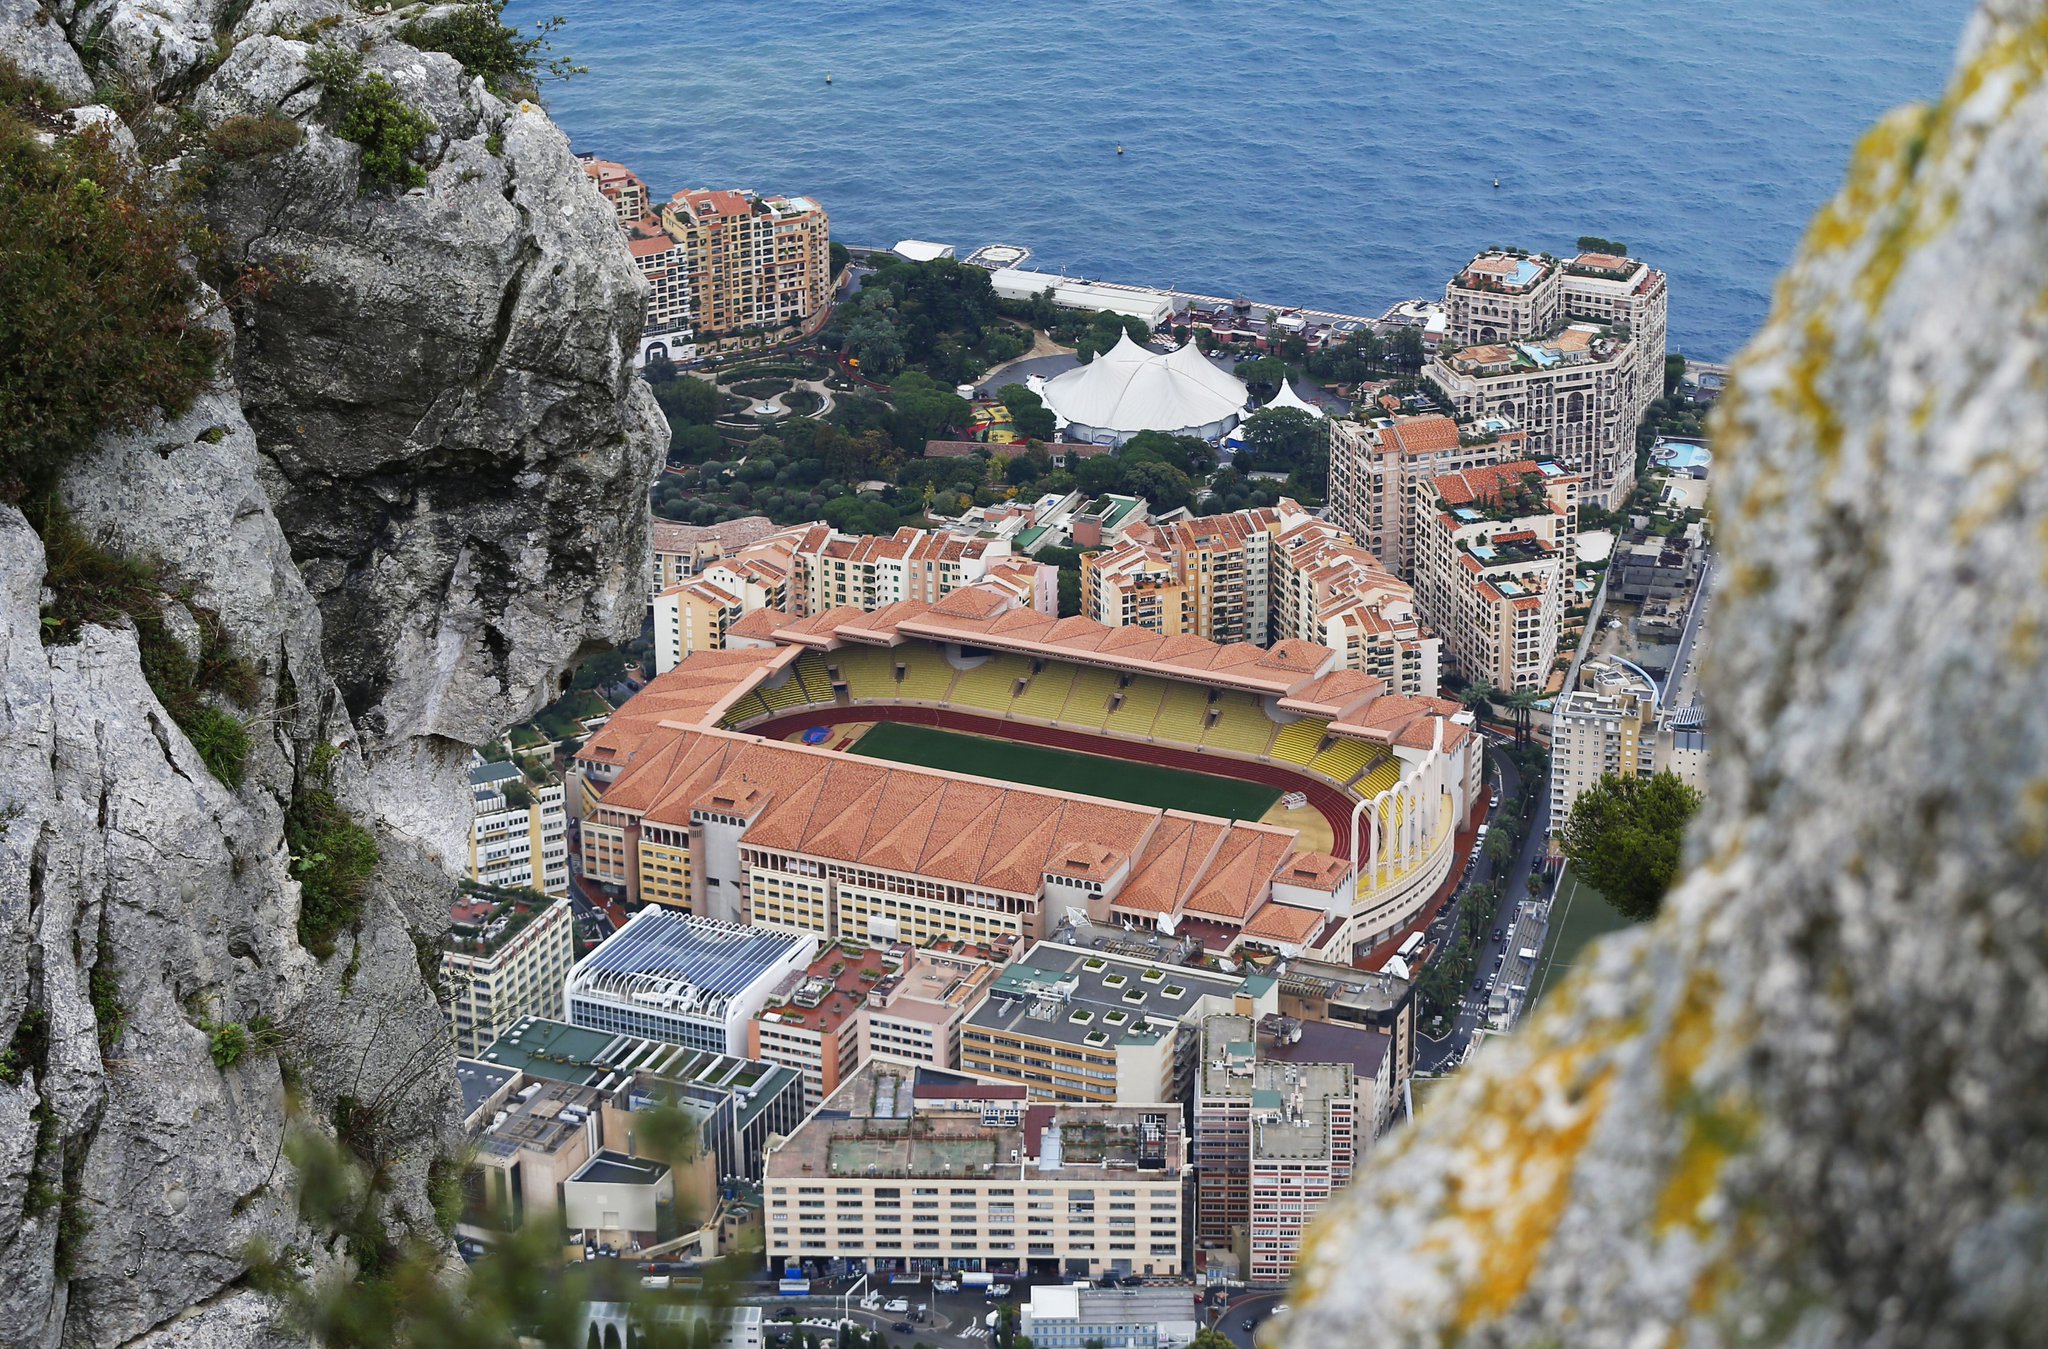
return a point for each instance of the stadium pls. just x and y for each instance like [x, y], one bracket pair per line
[975, 769]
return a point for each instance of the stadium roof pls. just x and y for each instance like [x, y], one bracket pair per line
[1128, 389]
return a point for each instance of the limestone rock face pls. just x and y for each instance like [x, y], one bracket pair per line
[1806, 1107]
[414, 496]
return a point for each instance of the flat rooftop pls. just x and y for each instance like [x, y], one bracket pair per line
[1343, 985]
[558, 1052]
[615, 1168]
[1290, 1096]
[870, 1128]
[1075, 996]
[662, 955]
[480, 1082]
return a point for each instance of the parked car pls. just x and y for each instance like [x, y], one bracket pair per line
[787, 1314]
[896, 1306]
[999, 1290]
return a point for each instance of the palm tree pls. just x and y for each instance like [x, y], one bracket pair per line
[1521, 704]
[1480, 698]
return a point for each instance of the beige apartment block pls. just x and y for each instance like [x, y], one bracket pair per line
[719, 264]
[919, 1174]
[1379, 470]
[1328, 590]
[1570, 352]
[680, 551]
[1614, 723]
[1495, 553]
[808, 569]
[503, 958]
[1282, 1111]
[518, 831]
[1071, 1024]
[1262, 576]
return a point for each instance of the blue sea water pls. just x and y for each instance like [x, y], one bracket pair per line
[1333, 155]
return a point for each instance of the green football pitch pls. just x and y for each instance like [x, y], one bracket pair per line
[1062, 771]
[1577, 916]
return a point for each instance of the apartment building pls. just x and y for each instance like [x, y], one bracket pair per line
[807, 569]
[1328, 590]
[1073, 1024]
[1614, 723]
[679, 552]
[915, 1015]
[691, 981]
[1495, 551]
[754, 262]
[504, 957]
[910, 1170]
[859, 1002]
[736, 1103]
[1380, 469]
[1281, 1115]
[815, 1026]
[1571, 352]
[518, 831]
[1381, 1000]
[1271, 574]
[719, 264]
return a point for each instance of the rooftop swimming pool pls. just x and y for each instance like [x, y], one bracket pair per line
[1525, 272]
[1683, 454]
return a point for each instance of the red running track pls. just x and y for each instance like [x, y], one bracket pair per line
[1332, 804]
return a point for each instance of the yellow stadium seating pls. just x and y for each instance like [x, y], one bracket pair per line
[1243, 725]
[1140, 705]
[1046, 694]
[1345, 759]
[870, 675]
[1386, 774]
[1182, 714]
[1298, 741]
[926, 676]
[810, 672]
[747, 708]
[791, 694]
[1088, 704]
[991, 685]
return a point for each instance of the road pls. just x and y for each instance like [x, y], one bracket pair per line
[1435, 1056]
[1679, 684]
[959, 1320]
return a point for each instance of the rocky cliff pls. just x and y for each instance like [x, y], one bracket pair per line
[413, 496]
[1806, 1107]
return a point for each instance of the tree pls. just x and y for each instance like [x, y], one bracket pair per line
[1279, 439]
[1626, 835]
[1593, 243]
[1208, 1337]
[1263, 374]
[1028, 412]
[1404, 351]
[1163, 485]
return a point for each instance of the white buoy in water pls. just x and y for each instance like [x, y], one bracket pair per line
[828, 79]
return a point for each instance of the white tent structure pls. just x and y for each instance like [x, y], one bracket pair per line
[1128, 389]
[1288, 398]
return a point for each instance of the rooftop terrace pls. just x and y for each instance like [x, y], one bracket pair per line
[1092, 998]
